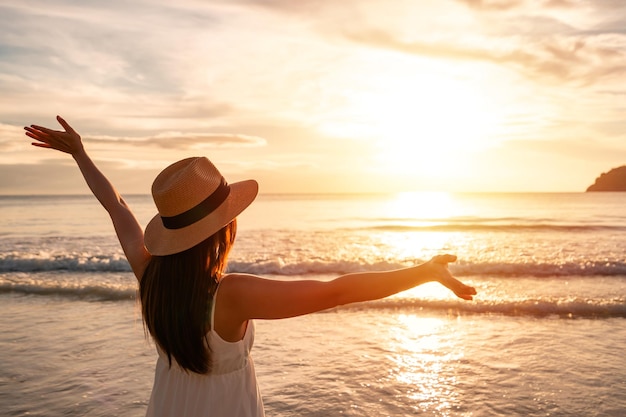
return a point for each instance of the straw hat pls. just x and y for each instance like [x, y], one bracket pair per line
[194, 201]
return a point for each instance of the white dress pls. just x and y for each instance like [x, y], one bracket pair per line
[230, 390]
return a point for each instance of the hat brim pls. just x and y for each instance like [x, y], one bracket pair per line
[161, 241]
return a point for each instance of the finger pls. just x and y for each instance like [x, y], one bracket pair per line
[45, 129]
[466, 289]
[36, 136]
[41, 145]
[65, 125]
[33, 130]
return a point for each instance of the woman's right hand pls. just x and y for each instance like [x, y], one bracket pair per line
[67, 141]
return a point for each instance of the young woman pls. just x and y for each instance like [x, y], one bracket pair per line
[200, 318]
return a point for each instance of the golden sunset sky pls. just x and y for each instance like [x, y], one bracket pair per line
[318, 96]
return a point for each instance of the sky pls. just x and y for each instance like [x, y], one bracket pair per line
[318, 96]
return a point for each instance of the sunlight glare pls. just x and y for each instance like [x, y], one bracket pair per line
[423, 207]
[416, 213]
[422, 120]
[424, 365]
[428, 123]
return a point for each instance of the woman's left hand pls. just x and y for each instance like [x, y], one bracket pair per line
[439, 267]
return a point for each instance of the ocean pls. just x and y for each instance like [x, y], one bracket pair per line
[544, 336]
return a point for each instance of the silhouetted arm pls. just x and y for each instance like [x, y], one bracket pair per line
[247, 297]
[128, 230]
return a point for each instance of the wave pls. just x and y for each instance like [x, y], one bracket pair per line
[88, 292]
[72, 262]
[533, 308]
[117, 263]
[486, 227]
[499, 269]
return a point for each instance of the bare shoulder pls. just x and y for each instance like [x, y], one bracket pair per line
[236, 289]
[232, 288]
[229, 321]
[235, 282]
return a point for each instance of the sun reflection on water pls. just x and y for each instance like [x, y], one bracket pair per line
[423, 358]
[409, 217]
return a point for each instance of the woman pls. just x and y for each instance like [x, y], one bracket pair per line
[201, 318]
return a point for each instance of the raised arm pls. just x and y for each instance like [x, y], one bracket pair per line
[249, 297]
[128, 230]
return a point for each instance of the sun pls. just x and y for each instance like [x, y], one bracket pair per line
[430, 124]
[421, 124]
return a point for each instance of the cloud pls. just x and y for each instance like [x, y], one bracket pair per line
[86, 55]
[11, 138]
[578, 59]
[287, 163]
[492, 4]
[10, 135]
[181, 141]
[122, 150]
[288, 6]
[581, 149]
[505, 5]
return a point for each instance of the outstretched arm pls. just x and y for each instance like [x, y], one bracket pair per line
[129, 232]
[248, 297]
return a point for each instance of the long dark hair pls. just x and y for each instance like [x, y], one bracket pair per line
[176, 292]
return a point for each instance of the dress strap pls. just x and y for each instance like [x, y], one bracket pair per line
[213, 305]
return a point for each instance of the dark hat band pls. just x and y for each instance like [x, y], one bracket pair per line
[200, 211]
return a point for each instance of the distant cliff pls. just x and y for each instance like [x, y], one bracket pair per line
[614, 180]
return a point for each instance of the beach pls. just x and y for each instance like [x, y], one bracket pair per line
[544, 336]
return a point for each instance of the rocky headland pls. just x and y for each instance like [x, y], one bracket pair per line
[614, 180]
